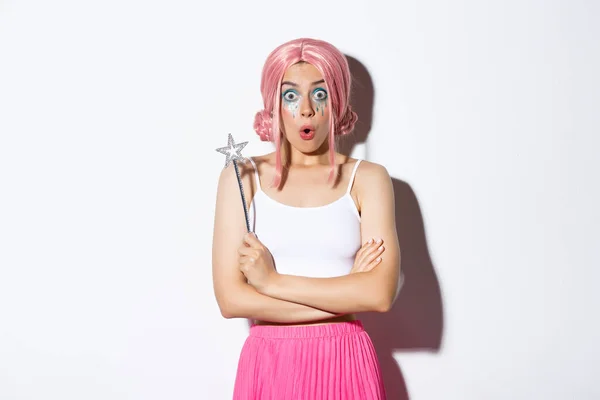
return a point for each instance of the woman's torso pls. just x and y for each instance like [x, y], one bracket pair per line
[310, 228]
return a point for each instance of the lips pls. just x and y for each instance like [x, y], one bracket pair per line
[307, 132]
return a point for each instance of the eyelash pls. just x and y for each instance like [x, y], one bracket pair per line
[286, 93]
[314, 92]
[320, 90]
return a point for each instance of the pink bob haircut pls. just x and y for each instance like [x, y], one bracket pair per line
[333, 65]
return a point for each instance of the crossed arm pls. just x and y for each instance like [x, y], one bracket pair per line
[288, 298]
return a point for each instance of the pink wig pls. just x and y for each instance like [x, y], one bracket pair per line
[332, 64]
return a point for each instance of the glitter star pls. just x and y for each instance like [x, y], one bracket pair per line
[232, 151]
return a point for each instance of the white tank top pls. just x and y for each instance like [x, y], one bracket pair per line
[318, 242]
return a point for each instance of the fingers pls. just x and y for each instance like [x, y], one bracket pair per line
[249, 259]
[369, 264]
[366, 246]
[249, 252]
[371, 247]
[372, 244]
[372, 264]
[246, 251]
[246, 263]
[252, 240]
[370, 256]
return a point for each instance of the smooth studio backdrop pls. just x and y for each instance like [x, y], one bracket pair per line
[484, 113]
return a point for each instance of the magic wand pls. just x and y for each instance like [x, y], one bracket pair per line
[233, 153]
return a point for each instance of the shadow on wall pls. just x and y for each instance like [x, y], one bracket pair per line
[362, 101]
[415, 322]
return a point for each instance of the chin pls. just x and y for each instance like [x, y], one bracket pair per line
[309, 146]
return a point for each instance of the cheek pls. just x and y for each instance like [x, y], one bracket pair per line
[288, 113]
[321, 108]
[290, 109]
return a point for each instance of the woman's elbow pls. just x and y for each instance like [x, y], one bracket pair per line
[228, 308]
[385, 301]
[238, 302]
[233, 299]
[227, 313]
[386, 294]
[384, 304]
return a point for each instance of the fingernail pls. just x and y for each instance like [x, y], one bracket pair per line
[378, 259]
[370, 241]
[379, 240]
[380, 248]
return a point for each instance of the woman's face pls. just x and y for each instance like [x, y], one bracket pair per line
[304, 110]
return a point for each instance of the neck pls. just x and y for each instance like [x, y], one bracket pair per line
[293, 157]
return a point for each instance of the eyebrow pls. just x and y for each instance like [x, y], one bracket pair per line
[294, 84]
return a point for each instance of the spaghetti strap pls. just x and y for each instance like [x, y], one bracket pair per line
[255, 173]
[352, 176]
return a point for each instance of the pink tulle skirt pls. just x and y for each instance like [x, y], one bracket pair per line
[314, 362]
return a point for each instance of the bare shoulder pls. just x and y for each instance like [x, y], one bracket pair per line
[371, 176]
[264, 159]
[373, 184]
[228, 180]
[228, 174]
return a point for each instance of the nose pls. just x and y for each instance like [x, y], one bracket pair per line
[306, 108]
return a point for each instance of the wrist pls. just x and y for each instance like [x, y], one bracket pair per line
[271, 285]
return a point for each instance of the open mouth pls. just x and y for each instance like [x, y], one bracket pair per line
[307, 133]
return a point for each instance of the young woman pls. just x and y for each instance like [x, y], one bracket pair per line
[322, 223]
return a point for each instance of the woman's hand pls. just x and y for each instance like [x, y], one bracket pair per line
[368, 257]
[256, 262]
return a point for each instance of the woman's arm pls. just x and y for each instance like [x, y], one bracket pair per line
[374, 290]
[253, 305]
[235, 297]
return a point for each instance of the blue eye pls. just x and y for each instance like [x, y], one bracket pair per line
[290, 95]
[320, 94]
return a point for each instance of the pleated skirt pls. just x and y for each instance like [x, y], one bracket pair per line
[314, 362]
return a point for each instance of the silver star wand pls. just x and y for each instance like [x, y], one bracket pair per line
[233, 153]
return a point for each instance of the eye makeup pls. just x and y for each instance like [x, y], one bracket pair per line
[291, 100]
[320, 97]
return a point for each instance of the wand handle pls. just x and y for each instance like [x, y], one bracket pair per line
[239, 179]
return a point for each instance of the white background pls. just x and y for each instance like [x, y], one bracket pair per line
[485, 114]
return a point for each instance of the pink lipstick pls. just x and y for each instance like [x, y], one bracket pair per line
[307, 132]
